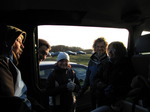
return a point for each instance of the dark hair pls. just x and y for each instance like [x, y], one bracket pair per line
[120, 49]
[43, 42]
[98, 40]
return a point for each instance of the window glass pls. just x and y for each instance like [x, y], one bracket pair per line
[68, 38]
[80, 36]
[145, 42]
[145, 32]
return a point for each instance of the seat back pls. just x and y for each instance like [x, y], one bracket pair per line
[128, 107]
[141, 64]
[141, 60]
[142, 44]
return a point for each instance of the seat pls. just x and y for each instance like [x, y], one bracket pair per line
[141, 64]
[143, 44]
[128, 107]
[141, 60]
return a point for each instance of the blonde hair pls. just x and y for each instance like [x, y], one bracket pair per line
[98, 40]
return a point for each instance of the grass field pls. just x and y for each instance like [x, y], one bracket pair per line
[81, 59]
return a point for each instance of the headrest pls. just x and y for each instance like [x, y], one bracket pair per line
[143, 44]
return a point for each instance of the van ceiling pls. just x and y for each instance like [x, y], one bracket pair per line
[94, 12]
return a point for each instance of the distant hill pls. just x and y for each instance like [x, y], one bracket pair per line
[64, 48]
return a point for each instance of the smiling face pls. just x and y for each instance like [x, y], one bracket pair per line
[100, 48]
[18, 46]
[63, 64]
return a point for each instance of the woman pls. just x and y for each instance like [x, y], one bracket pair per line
[95, 64]
[62, 83]
[113, 81]
[11, 83]
[11, 48]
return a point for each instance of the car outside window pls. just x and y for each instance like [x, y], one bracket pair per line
[45, 71]
[80, 71]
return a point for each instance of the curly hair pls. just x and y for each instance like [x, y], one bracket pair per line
[98, 40]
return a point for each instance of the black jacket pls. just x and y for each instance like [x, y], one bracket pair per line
[114, 80]
[57, 87]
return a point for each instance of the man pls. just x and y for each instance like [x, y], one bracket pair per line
[44, 49]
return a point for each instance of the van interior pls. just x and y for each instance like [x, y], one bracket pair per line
[132, 15]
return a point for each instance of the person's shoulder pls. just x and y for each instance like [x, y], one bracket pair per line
[4, 61]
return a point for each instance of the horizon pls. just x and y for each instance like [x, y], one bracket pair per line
[80, 36]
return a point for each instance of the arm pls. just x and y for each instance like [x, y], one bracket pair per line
[6, 82]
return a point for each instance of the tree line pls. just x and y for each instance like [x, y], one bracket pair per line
[64, 48]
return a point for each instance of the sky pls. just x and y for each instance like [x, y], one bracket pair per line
[79, 36]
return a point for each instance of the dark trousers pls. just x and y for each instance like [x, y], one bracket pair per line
[93, 98]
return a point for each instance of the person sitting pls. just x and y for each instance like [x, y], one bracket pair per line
[11, 83]
[113, 81]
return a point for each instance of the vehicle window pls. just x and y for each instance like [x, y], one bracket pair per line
[145, 32]
[76, 35]
[146, 36]
[77, 41]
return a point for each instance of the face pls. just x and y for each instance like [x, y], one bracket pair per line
[63, 64]
[100, 48]
[43, 52]
[111, 52]
[18, 46]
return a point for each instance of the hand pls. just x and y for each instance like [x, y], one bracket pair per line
[71, 86]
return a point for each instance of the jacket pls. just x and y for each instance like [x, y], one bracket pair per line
[7, 78]
[11, 83]
[57, 87]
[94, 66]
[114, 81]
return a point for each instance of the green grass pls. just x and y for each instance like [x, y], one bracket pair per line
[80, 59]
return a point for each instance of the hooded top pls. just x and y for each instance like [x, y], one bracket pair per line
[11, 83]
[8, 36]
